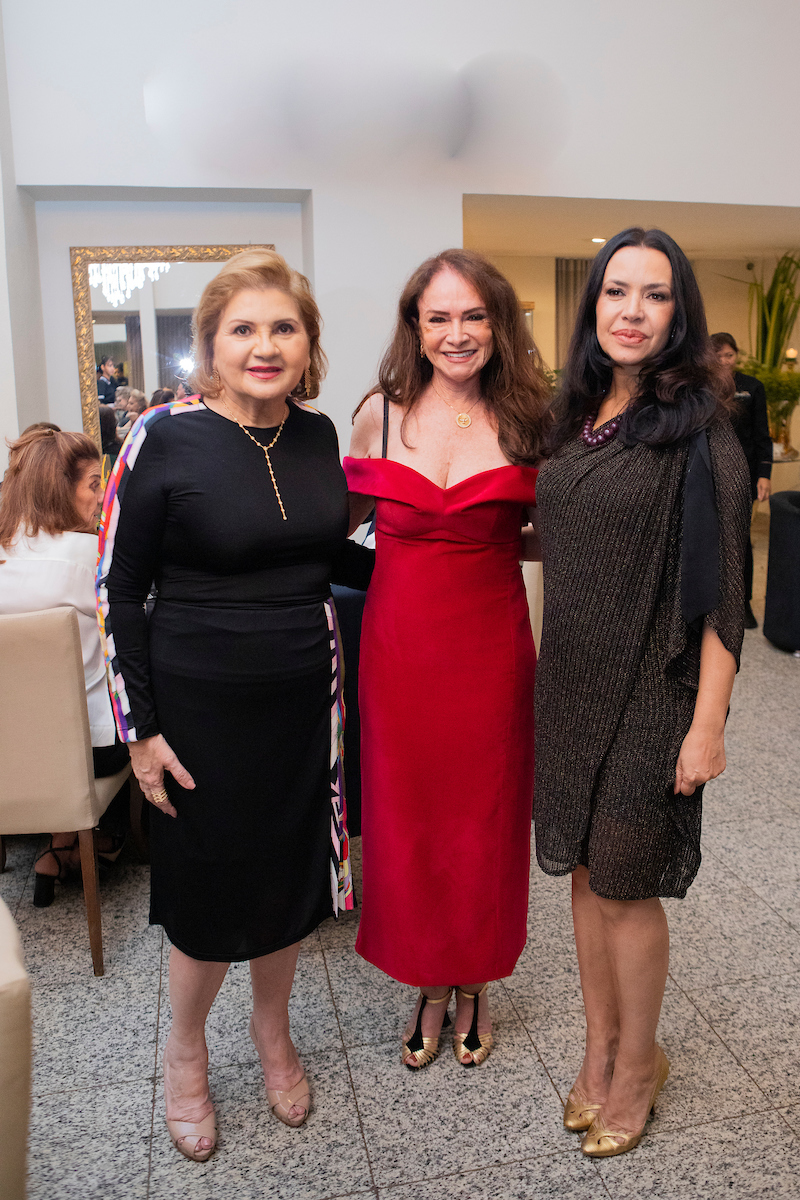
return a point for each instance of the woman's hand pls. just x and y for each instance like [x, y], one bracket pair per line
[702, 757]
[531, 543]
[150, 758]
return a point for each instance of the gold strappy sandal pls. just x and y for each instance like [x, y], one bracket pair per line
[477, 1045]
[423, 1049]
[601, 1142]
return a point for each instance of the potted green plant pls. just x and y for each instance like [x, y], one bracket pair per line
[773, 310]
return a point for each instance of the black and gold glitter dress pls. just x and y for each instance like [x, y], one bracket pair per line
[619, 665]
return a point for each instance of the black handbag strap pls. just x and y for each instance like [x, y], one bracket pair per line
[385, 442]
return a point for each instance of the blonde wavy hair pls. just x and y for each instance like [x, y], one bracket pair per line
[255, 270]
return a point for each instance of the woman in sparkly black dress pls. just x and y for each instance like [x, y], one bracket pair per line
[644, 508]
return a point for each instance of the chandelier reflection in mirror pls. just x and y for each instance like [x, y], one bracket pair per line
[119, 279]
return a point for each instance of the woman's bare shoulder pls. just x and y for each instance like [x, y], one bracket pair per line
[367, 427]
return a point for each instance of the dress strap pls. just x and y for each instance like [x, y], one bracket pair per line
[385, 442]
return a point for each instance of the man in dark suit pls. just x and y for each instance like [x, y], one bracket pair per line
[106, 381]
[752, 429]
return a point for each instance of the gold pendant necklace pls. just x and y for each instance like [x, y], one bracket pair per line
[463, 419]
[266, 450]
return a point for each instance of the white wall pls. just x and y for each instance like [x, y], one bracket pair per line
[566, 99]
[22, 375]
[386, 114]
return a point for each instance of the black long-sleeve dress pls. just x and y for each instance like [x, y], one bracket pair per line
[237, 668]
[619, 666]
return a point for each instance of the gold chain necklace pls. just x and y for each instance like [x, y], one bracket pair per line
[266, 450]
[463, 419]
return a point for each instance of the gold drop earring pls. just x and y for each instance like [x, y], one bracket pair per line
[307, 381]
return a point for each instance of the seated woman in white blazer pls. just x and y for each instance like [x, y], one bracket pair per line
[49, 505]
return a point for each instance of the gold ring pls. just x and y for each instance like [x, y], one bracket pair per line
[160, 797]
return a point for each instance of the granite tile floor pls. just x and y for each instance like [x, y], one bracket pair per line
[728, 1122]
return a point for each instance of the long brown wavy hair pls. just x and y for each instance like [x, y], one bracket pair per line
[513, 385]
[44, 467]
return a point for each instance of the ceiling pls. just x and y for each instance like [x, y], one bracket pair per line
[563, 226]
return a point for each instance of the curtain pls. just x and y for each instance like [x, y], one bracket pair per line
[133, 334]
[571, 276]
[174, 332]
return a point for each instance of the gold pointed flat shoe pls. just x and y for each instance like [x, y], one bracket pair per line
[601, 1142]
[423, 1050]
[477, 1045]
[579, 1111]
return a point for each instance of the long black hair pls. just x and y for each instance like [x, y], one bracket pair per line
[681, 389]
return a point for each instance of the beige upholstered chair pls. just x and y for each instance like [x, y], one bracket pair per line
[47, 782]
[15, 1060]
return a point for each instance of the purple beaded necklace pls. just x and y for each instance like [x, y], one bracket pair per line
[605, 433]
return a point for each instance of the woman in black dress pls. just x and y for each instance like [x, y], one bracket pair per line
[235, 504]
[644, 510]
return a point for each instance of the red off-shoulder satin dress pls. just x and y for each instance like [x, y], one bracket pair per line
[446, 701]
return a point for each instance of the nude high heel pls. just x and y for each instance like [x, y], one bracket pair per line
[186, 1134]
[181, 1131]
[282, 1102]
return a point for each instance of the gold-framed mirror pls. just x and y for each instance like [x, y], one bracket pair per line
[112, 286]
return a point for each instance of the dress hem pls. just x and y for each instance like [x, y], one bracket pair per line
[491, 976]
[674, 895]
[281, 945]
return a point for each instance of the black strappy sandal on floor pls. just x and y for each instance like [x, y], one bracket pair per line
[45, 887]
[477, 1045]
[424, 1049]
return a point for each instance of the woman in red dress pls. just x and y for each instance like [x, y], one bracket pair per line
[446, 449]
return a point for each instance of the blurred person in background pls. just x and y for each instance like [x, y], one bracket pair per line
[108, 432]
[120, 406]
[162, 396]
[48, 552]
[106, 381]
[137, 403]
[751, 425]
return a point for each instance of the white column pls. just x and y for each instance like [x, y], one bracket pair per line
[9, 423]
[147, 321]
[366, 244]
